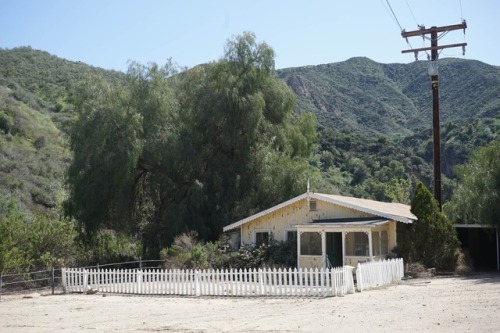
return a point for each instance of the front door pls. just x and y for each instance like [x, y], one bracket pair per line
[334, 248]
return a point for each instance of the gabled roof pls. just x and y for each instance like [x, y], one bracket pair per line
[389, 210]
[394, 211]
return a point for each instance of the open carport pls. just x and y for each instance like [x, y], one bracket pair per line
[482, 244]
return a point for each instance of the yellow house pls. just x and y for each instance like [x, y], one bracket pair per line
[330, 230]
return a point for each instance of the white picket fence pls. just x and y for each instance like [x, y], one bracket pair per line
[241, 282]
[378, 273]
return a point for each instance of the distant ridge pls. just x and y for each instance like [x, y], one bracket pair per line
[367, 97]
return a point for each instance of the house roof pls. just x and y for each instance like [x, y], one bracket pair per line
[391, 210]
[388, 210]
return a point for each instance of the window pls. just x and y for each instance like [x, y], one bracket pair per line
[261, 237]
[312, 205]
[356, 244]
[291, 235]
[310, 244]
[384, 242]
[376, 243]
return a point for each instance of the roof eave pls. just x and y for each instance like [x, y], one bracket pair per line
[264, 212]
[362, 209]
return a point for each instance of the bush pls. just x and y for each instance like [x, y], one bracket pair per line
[431, 240]
[52, 242]
[187, 252]
[108, 246]
[6, 123]
[37, 242]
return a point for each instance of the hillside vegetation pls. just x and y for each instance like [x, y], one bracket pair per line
[363, 96]
[202, 148]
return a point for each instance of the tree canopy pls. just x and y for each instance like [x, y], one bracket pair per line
[432, 239]
[477, 196]
[170, 152]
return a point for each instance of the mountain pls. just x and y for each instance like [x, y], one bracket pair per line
[394, 99]
[375, 121]
[34, 152]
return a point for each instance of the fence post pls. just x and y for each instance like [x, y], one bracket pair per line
[138, 279]
[63, 279]
[359, 278]
[196, 283]
[0, 286]
[261, 282]
[85, 280]
[52, 280]
[140, 263]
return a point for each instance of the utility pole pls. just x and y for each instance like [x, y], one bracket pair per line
[433, 72]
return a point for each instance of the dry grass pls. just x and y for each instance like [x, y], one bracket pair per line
[464, 263]
[417, 270]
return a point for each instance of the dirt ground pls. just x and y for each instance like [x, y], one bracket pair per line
[442, 304]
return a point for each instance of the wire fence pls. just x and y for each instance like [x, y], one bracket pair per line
[15, 283]
[51, 280]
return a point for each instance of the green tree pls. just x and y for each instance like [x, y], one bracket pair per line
[106, 144]
[432, 239]
[29, 243]
[477, 196]
[398, 190]
[172, 152]
[13, 237]
[124, 143]
[239, 130]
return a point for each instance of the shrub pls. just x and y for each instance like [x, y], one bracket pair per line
[6, 123]
[52, 242]
[108, 246]
[431, 240]
[37, 242]
[187, 252]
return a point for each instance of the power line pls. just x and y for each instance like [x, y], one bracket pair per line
[388, 12]
[395, 19]
[461, 11]
[411, 11]
[400, 28]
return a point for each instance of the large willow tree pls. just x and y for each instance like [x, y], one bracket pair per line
[164, 153]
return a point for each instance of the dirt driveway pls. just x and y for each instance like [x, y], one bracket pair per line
[443, 304]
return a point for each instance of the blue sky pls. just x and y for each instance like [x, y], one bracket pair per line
[108, 33]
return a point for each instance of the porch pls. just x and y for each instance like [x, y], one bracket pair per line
[340, 242]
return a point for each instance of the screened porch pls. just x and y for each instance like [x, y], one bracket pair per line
[339, 242]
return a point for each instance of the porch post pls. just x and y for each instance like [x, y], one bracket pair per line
[370, 246]
[323, 247]
[343, 248]
[298, 248]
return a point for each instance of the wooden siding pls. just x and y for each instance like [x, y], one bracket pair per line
[285, 218]
[311, 262]
[277, 222]
[326, 210]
